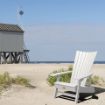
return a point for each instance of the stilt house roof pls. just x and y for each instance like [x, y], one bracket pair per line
[10, 28]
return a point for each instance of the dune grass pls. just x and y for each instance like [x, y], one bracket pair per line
[6, 81]
[95, 80]
[65, 78]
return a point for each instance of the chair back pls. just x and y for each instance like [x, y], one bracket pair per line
[82, 65]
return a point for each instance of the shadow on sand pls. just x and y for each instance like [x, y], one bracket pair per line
[84, 96]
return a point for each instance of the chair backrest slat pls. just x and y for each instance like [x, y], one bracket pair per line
[82, 65]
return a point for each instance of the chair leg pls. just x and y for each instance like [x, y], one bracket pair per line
[77, 95]
[56, 91]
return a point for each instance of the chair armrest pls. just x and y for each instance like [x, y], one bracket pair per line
[85, 76]
[61, 73]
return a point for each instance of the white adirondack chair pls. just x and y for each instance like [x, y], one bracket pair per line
[80, 73]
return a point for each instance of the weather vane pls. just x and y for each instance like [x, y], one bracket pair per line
[21, 12]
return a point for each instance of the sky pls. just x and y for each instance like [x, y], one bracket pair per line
[55, 29]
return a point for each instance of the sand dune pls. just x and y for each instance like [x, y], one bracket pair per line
[43, 93]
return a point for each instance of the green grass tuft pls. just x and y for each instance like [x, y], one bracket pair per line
[6, 81]
[20, 81]
[96, 80]
[64, 78]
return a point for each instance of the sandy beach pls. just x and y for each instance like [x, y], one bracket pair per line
[43, 94]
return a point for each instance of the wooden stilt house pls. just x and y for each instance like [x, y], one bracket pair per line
[12, 44]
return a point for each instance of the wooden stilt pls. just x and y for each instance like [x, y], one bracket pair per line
[14, 57]
[10, 58]
[21, 57]
[0, 57]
